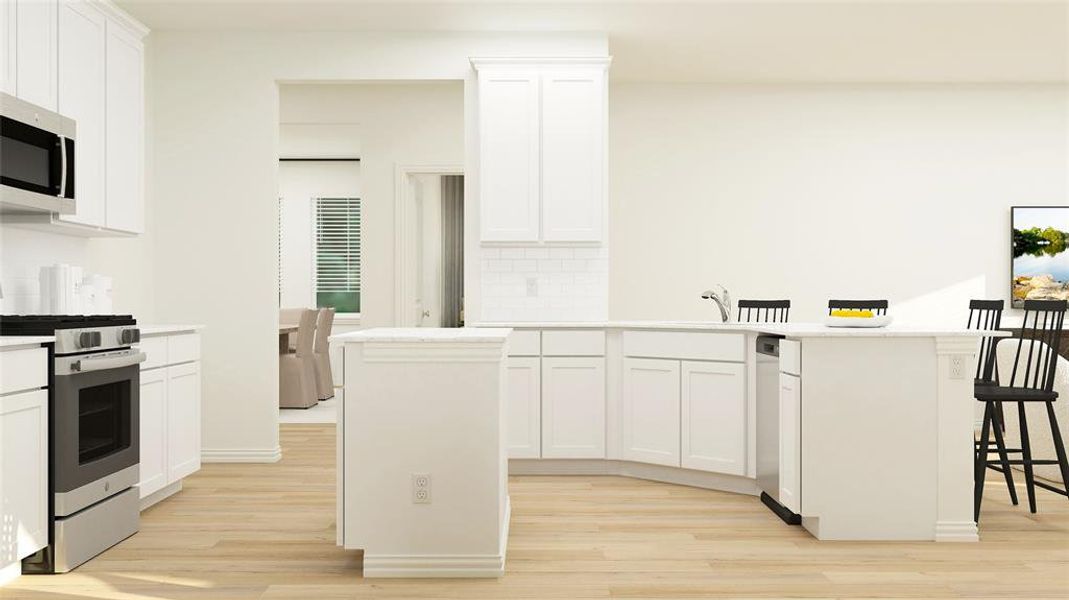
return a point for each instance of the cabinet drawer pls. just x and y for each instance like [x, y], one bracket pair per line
[183, 348]
[573, 343]
[23, 370]
[685, 345]
[525, 343]
[155, 349]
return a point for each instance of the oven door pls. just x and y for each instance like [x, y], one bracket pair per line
[95, 449]
[36, 159]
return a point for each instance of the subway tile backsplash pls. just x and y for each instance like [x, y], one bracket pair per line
[539, 283]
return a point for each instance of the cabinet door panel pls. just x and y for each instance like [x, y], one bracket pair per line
[125, 126]
[573, 407]
[183, 420]
[153, 443]
[35, 52]
[790, 454]
[714, 417]
[524, 407]
[8, 48]
[651, 411]
[24, 470]
[573, 154]
[81, 97]
[508, 155]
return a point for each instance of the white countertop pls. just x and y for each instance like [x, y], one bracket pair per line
[157, 330]
[424, 334]
[793, 330]
[12, 341]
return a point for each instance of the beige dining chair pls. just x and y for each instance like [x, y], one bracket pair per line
[324, 376]
[290, 316]
[296, 370]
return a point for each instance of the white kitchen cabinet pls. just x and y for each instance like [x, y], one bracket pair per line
[573, 407]
[509, 179]
[183, 420]
[81, 97]
[650, 411]
[524, 407]
[9, 47]
[573, 154]
[714, 417]
[36, 63]
[24, 472]
[790, 454]
[124, 125]
[153, 442]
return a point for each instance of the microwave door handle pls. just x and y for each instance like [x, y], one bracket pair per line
[100, 364]
[62, 167]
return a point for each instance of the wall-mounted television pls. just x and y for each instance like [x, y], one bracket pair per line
[1040, 249]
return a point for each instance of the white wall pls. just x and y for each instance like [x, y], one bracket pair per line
[214, 122]
[812, 192]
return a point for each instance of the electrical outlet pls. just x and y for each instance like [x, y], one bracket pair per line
[421, 488]
[957, 367]
[532, 287]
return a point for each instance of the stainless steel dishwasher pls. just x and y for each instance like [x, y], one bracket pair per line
[768, 423]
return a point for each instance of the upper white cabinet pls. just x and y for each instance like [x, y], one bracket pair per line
[714, 422]
[651, 411]
[35, 51]
[124, 131]
[573, 407]
[81, 97]
[9, 46]
[542, 140]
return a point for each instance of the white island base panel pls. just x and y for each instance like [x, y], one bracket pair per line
[424, 403]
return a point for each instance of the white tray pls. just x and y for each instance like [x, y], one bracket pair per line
[876, 321]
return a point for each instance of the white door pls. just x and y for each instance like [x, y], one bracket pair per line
[183, 420]
[8, 47]
[125, 131]
[24, 472]
[81, 97]
[573, 154]
[790, 453]
[153, 443]
[524, 407]
[573, 407]
[428, 196]
[508, 155]
[651, 411]
[714, 417]
[35, 52]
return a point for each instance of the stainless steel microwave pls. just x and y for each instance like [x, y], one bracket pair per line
[37, 154]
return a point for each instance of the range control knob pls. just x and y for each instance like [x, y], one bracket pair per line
[89, 339]
[130, 336]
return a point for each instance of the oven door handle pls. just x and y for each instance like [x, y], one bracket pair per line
[86, 365]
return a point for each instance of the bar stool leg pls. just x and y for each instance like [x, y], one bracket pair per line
[1000, 444]
[1026, 459]
[981, 462]
[1059, 446]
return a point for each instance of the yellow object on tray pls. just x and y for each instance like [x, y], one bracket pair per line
[857, 314]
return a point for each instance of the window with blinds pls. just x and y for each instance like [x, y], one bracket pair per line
[337, 254]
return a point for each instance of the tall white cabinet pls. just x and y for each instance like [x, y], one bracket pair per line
[542, 140]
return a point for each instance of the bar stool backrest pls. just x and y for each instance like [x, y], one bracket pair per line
[1041, 334]
[764, 311]
[877, 306]
[985, 315]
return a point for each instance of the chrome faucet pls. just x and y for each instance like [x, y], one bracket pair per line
[722, 299]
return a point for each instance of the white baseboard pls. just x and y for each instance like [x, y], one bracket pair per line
[161, 495]
[254, 455]
[956, 531]
[679, 476]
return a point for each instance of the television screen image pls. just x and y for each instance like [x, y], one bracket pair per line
[1040, 260]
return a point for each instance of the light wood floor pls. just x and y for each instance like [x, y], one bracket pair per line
[267, 531]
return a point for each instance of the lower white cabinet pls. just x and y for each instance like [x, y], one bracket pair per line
[170, 412]
[713, 402]
[650, 411]
[524, 408]
[23, 473]
[790, 454]
[573, 407]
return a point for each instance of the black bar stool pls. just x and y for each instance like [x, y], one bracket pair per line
[764, 311]
[1031, 380]
[877, 306]
[986, 315]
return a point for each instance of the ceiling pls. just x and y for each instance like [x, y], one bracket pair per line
[943, 41]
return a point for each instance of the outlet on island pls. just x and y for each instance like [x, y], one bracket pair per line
[421, 488]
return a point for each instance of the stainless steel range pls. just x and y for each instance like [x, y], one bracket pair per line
[93, 434]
